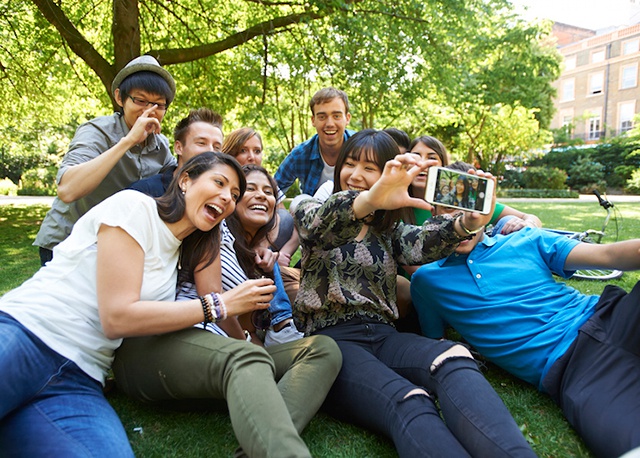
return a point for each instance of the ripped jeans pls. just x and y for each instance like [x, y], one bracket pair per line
[381, 366]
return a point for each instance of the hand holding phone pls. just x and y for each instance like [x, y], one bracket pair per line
[464, 191]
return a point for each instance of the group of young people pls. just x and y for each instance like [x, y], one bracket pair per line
[172, 276]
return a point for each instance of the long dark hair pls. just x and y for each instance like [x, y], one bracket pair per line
[378, 147]
[198, 247]
[438, 147]
[435, 145]
[464, 200]
[243, 246]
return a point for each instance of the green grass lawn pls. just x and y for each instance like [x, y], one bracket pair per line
[206, 431]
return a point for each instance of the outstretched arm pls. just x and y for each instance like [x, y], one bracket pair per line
[620, 255]
[391, 192]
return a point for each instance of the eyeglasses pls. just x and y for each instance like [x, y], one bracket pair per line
[143, 103]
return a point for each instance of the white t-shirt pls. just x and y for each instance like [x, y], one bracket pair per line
[59, 303]
[327, 173]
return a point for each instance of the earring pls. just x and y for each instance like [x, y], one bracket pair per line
[183, 191]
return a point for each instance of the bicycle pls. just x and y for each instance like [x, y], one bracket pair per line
[595, 236]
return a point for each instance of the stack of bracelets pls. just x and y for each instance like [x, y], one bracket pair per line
[213, 308]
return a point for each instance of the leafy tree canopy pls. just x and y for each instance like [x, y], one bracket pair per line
[434, 66]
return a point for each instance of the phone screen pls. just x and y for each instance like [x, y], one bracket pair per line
[460, 190]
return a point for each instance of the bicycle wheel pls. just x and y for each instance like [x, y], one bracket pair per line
[597, 274]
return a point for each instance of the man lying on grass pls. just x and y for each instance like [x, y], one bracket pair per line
[499, 293]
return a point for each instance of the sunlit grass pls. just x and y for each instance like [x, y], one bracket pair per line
[208, 432]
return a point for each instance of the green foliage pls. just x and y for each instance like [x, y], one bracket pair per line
[511, 179]
[8, 187]
[563, 136]
[15, 164]
[544, 178]
[538, 193]
[501, 132]
[39, 182]
[586, 175]
[633, 183]
[420, 66]
[619, 157]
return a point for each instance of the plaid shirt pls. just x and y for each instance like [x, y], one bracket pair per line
[305, 163]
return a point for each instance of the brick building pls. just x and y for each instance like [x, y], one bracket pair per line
[598, 91]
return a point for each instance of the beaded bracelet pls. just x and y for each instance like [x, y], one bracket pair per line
[219, 307]
[214, 313]
[206, 309]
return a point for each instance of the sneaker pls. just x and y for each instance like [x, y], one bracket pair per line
[288, 333]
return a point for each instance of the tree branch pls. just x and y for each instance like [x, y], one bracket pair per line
[76, 41]
[181, 55]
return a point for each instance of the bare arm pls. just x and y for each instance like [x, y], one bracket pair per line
[620, 255]
[391, 192]
[120, 267]
[288, 249]
[210, 279]
[82, 179]
[521, 220]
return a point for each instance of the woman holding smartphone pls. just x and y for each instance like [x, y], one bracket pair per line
[390, 381]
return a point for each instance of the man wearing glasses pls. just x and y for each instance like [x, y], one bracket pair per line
[109, 153]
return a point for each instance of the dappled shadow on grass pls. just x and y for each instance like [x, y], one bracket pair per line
[18, 258]
[539, 418]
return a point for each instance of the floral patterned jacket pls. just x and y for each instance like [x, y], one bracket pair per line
[343, 278]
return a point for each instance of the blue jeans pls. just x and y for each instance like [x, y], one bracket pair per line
[381, 366]
[280, 307]
[49, 406]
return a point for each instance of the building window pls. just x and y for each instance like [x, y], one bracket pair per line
[626, 113]
[569, 63]
[594, 128]
[567, 120]
[629, 76]
[631, 47]
[568, 89]
[596, 82]
[597, 56]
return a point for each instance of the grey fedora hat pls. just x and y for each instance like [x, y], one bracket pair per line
[143, 64]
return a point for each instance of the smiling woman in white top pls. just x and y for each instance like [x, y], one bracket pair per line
[113, 277]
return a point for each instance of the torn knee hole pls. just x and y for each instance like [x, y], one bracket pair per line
[457, 351]
[416, 392]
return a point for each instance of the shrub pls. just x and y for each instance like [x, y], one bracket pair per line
[544, 178]
[7, 187]
[512, 179]
[633, 183]
[39, 182]
[586, 175]
[538, 193]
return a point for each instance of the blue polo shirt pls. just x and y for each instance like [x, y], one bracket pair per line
[502, 298]
[305, 163]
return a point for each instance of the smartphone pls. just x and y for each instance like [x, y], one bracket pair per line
[454, 189]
